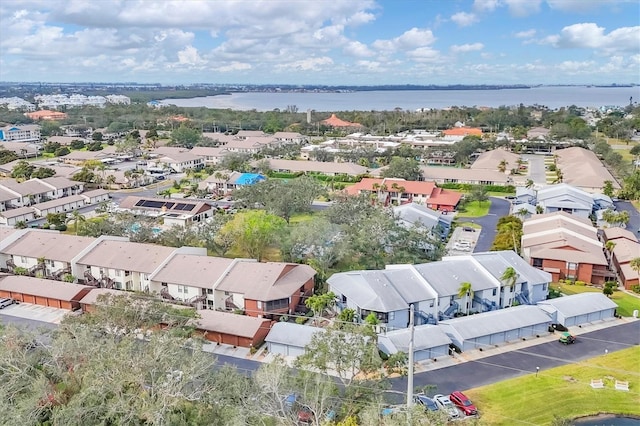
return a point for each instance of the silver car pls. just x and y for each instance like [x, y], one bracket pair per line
[6, 302]
[446, 405]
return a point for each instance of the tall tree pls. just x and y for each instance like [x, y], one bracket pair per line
[466, 290]
[403, 168]
[253, 232]
[508, 278]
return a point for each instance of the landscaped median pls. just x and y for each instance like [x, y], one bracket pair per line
[627, 303]
[563, 392]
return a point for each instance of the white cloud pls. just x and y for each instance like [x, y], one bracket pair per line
[309, 64]
[357, 49]
[233, 66]
[464, 19]
[411, 39]
[486, 5]
[425, 54]
[591, 36]
[464, 48]
[190, 56]
[521, 8]
[526, 34]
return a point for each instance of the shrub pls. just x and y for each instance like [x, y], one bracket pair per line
[62, 151]
[301, 320]
[635, 288]
[580, 283]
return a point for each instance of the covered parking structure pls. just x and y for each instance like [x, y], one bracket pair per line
[232, 329]
[483, 331]
[289, 339]
[429, 342]
[38, 291]
[579, 309]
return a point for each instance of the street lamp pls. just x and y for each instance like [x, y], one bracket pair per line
[537, 371]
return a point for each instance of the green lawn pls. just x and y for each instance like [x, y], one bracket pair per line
[474, 209]
[300, 218]
[564, 392]
[626, 302]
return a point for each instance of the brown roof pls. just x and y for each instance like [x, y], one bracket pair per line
[491, 160]
[92, 297]
[223, 322]
[573, 256]
[582, 168]
[316, 166]
[58, 290]
[266, 281]
[170, 205]
[463, 175]
[6, 231]
[626, 250]
[616, 232]
[50, 245]
[126, 255]
[193, 270]
[552, 221]
[463, 131]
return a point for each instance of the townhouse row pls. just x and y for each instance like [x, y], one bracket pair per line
[434, 289]
[183, 274]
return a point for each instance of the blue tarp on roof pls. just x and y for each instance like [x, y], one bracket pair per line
[249, 178]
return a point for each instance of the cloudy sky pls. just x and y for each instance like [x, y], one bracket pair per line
[332, 42]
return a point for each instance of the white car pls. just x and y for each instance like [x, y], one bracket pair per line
[446, 405]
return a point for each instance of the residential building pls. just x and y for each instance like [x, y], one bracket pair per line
[433, 288]
[20, 133]
[223, 183]
[232, 329]
[579, 309]
[466, 176]
[211, 156]
[269, 290]
[334, 121]
[17, 215]
[179, 161]
[565, 198]
[36, 190]
[325, 168]
[583, 169]
[400, 191]
[429, 342]
[179, 211]
[37, 291]
[625, 248]
[46, 114]
[565, 245]
[15, 103]
[459, 133]
[499, 160]
[413, 214]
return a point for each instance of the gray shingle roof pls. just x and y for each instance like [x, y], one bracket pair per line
[425, 337]
[445, 277]
[287, 333]
[370, 290]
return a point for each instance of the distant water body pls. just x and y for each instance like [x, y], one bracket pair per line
[552, 97]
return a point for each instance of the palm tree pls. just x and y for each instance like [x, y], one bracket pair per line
[111, 179]
[635, 264]
[465, 290]
[539, 209]
[609, 245]
[529, 184]
[78, 218]
[508, 277]
[522, 212]
[502, 167]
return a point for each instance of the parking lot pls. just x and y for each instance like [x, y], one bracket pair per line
[462, 241]
[34, 312]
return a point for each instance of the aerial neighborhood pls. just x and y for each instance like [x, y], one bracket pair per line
[446, 243]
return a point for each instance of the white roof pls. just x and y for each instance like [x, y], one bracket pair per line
[425, 337]
[474, 326]
[580, 304]
[288, 333]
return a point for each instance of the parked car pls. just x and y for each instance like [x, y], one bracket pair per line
[446, 405]
[428, 403]
[461, 401]
[7, 302]
[567, 338]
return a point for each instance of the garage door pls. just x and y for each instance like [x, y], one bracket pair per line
[498, 338]
[581, 319]
[422, 355]
[27, 298]
[595, 316]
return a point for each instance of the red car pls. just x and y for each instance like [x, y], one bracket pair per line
[462, 402]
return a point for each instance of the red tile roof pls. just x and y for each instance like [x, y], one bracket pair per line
[463, 131]
[436, 195]
[334, 121]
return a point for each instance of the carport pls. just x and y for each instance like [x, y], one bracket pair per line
[232, 329]
[482, 331]
[43, 292]
[579, 308]
[290, 339]
[429, 342]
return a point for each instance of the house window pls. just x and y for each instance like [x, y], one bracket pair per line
[431, 303]
[117, 272]
[495, 291]
[453, 298]
[544, 287]
[145, 277]
[226, 293]
[537, 262]
[23, 259]
[512, 288]
[209, 291]
[392, 316]
[344, 299]
[571, 265]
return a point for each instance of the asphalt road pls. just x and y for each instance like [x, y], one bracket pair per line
[634, 216]
[516, 363]
[499, 208]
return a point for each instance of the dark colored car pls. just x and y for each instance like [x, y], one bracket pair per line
[463, 403]
[426, 402]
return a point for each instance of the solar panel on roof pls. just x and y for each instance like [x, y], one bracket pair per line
[140, 203]
[153, 204]
[180, 206]
[189, 207]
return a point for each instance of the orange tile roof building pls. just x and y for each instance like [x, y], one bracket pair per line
[334, 121]
[400, 191]
[463, 131]
[46, 114]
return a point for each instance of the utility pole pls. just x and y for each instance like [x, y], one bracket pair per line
[410, 375]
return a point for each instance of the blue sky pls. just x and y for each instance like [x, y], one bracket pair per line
[332, 42]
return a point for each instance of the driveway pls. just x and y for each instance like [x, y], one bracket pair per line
[634, 216]
[34, 312]
[536, 168]
[472, 374]
[499, 208]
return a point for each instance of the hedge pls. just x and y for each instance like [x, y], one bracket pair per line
[469, 187]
